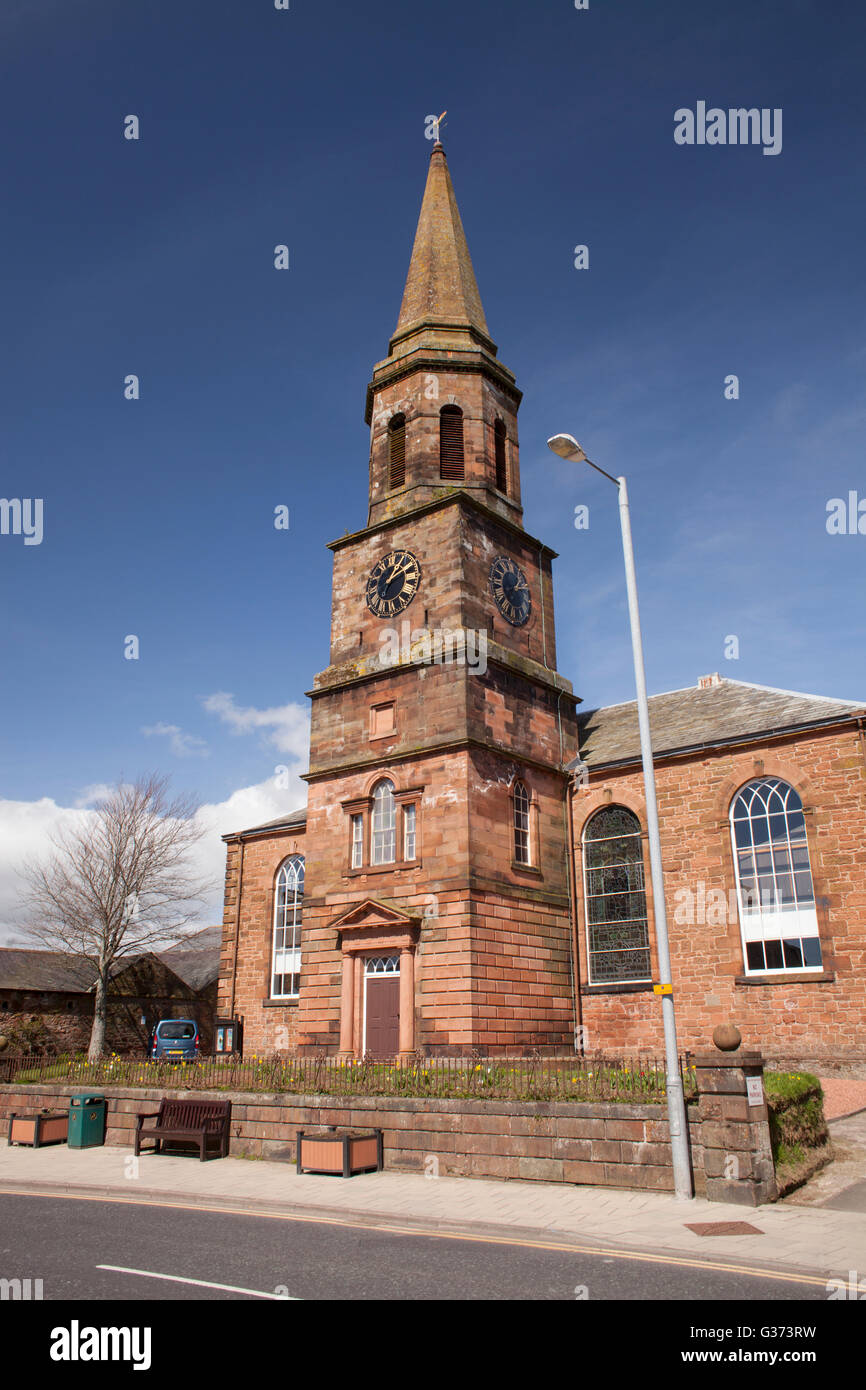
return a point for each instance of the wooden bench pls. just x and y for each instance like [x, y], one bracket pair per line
[195, 1121]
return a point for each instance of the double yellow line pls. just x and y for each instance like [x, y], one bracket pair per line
[645, 1257]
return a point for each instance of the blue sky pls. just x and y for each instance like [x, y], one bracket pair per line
[306, 127]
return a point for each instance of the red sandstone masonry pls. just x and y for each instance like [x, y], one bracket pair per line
[794, 1021]
[535, 1141]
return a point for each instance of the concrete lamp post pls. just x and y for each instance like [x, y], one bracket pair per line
[567, 447]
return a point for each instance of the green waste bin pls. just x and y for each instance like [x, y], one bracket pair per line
[86, 1120]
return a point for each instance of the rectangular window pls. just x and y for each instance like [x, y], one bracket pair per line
[357, 842]
[384, 825]
[408, 832]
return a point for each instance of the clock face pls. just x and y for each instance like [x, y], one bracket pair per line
[393, 583]
[510, 590]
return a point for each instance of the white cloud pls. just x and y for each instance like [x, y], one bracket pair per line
[88, 796]
[25, 828]
[287, 727]
[182, 745]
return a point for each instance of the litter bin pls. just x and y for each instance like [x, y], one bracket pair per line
[86, 1120]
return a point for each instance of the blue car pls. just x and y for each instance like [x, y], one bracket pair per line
[176, 1037]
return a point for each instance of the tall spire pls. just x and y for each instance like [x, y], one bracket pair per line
[441, 288]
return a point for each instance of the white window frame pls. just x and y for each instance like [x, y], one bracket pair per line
[410, 831]
[291, 910]
[357, 845]
[763, 916]
[384, 808]
[522, 823]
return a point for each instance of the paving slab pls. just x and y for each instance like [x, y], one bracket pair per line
[821, 1241]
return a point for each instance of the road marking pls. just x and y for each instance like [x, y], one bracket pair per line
[201, 1283]
[563, 1248]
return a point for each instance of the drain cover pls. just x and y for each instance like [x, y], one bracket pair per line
[723, 1228]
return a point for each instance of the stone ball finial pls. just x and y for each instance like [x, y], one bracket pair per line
[4, 1043]
[727, 1037]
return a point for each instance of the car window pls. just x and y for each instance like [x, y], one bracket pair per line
[176, 1031]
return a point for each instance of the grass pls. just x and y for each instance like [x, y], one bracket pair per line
[798, 1130]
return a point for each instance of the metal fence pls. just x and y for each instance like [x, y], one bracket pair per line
[478, 1077]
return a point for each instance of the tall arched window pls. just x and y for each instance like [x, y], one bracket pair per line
[451, 443]
[521, 824]
[288, 906]
[774, 878]
[397, 451]
[384, 841]
[615, 898]
[500, 434]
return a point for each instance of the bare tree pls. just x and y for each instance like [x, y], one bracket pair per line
[119, 885]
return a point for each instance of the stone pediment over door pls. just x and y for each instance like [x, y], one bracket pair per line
[376, 924]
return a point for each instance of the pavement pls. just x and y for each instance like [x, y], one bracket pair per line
[843, 1095]
[842, 1185]
[805, 1243]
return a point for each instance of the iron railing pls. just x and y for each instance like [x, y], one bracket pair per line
[592, 1079]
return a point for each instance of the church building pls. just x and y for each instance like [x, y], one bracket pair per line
[471, 869]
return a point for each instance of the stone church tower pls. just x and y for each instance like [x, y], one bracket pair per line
[436, 906]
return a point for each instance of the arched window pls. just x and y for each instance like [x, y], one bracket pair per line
[384, 845]
[774, 878]
[397, 451]
[451, 443]
[500, 434]
[521, 824]
[288, 906]
[615, 898]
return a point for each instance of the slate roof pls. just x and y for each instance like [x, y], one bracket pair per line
[47, 971]
[724, 712]
[196, 962]
[293, 820]
[196, 959]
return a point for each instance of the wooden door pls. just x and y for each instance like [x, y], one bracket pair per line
[383, 1015]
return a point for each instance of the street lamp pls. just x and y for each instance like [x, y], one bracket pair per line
[567, 447]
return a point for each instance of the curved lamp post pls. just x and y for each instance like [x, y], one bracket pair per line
[567, 447]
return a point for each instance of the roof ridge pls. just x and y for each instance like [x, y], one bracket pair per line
[801, 694]
[732, 680]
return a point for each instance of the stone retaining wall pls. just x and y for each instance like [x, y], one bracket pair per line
[607, 1145]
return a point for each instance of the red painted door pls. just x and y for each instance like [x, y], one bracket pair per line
[383, 1015]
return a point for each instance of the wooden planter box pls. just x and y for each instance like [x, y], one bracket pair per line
[344, 1151]
[47, 1127]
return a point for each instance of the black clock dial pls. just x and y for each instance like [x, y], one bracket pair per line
[393, 583]
[510, 590]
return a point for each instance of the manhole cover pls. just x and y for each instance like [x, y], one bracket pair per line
[723, 1228]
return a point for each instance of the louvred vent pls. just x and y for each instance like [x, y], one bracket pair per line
[499, 437]
[451, 443]
[397, 451]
